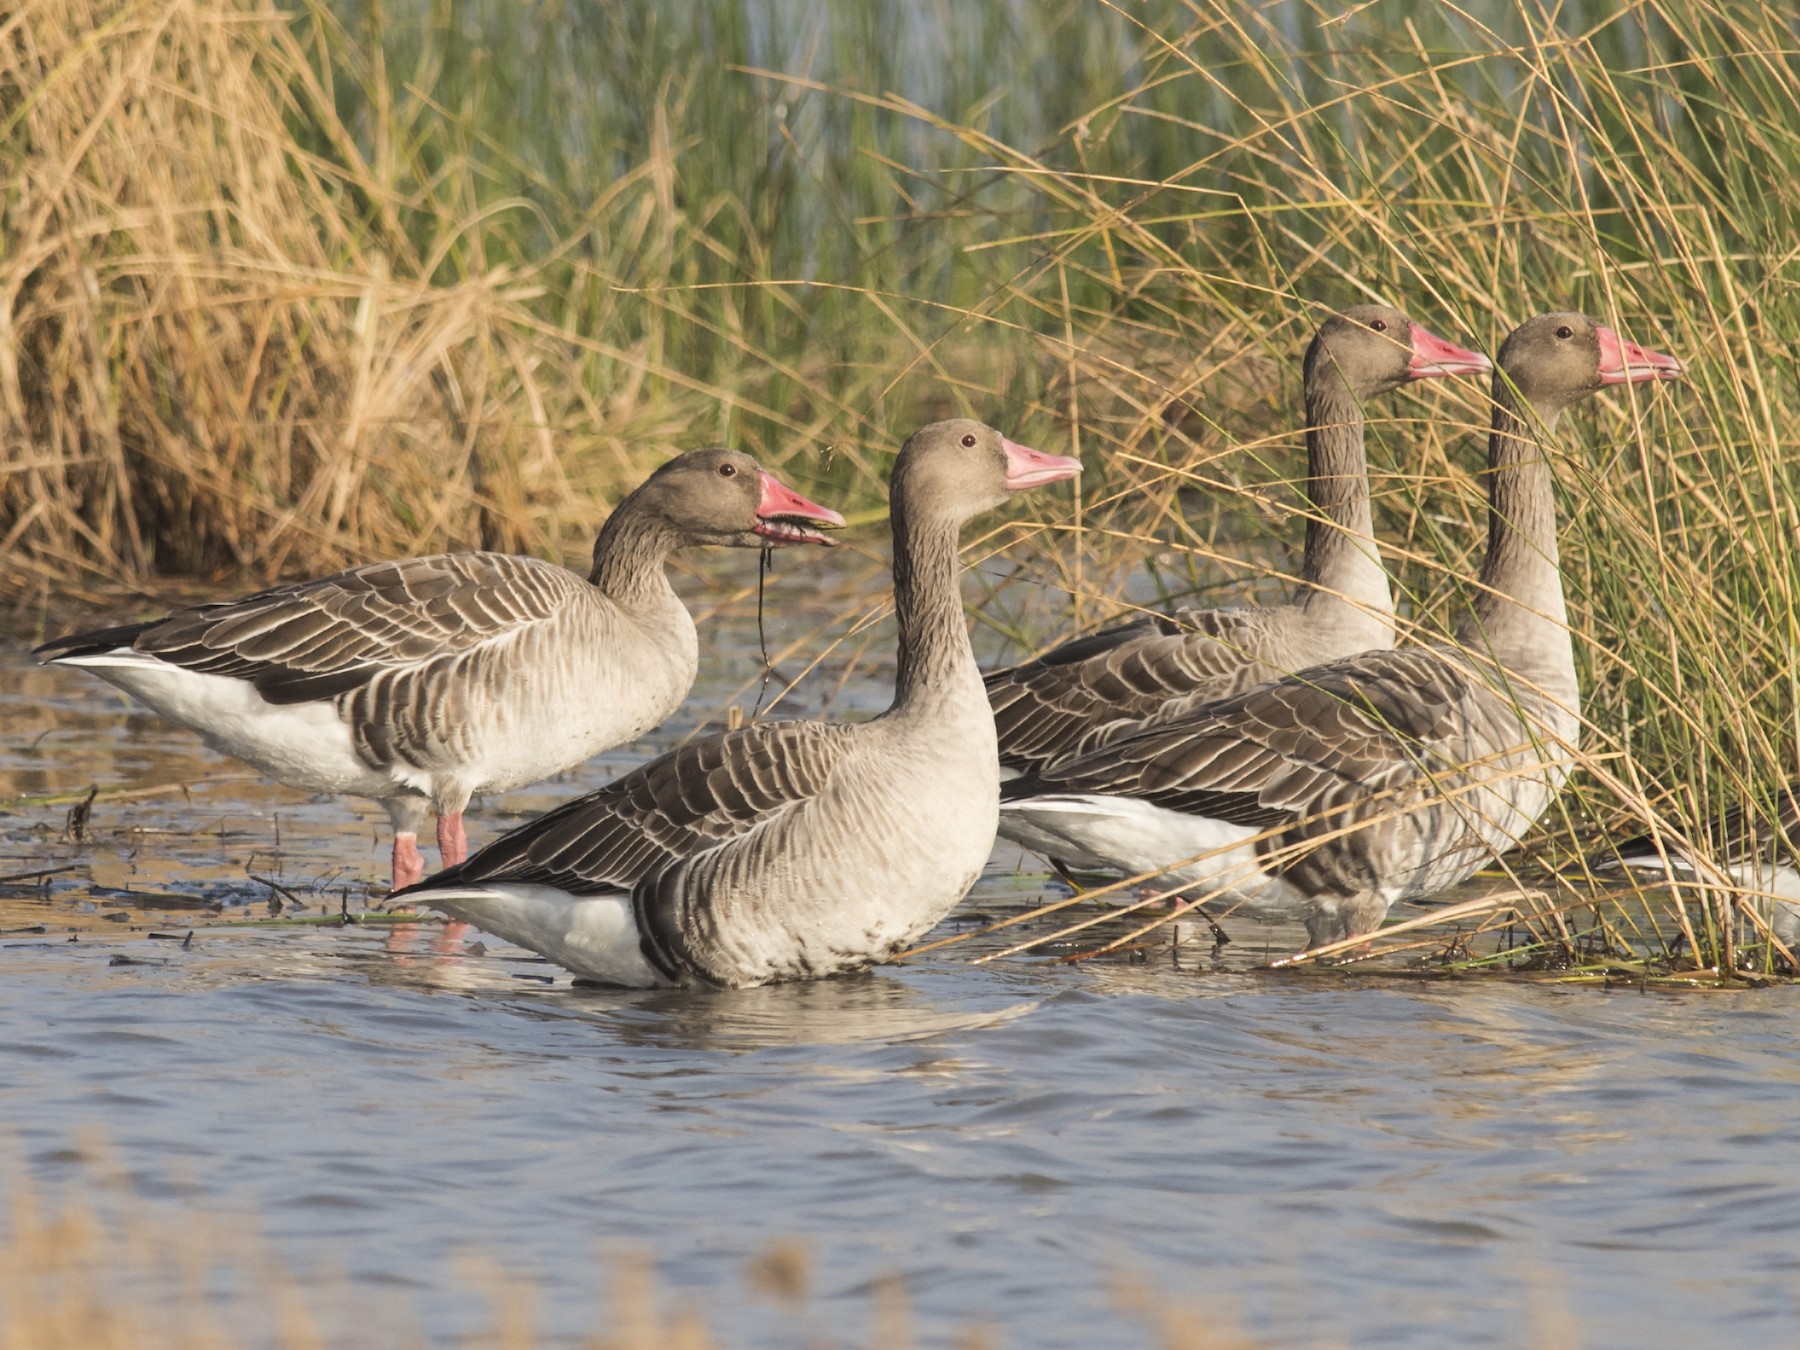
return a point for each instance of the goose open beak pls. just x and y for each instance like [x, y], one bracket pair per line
[783, 515]
[1028, 468]
[1623, 362]
[1432, 356]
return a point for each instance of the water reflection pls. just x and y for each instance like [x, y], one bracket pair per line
[869, 1009]
[873, 1008]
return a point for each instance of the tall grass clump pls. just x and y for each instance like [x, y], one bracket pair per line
[281, 290]
[1477, 165]
[220, 349]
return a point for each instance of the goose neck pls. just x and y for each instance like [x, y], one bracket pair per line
[935, 658]
[1341, 568]
[1519, 613]
[629, 556]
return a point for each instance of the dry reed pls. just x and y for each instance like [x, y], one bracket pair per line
[91, 1267]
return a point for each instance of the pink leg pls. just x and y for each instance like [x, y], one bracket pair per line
[409, 864]
[453, 847]
[453, 841]
[1167, 902]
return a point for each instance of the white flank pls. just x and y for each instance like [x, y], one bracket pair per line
[305, 745]
[1771, 879]
[1198, 853]
[595, 936]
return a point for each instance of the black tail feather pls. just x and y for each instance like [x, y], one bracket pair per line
[93, 643]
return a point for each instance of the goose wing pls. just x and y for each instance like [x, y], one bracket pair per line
[1286, 750]
[1092, 690]
[317, 639]
[1740, 834]
[705, 794]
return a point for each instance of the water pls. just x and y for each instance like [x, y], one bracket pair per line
[1314, 1158]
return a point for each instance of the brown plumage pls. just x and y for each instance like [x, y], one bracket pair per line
[1384, 775]
[1096, 689]
[424, 681]
[786, 850]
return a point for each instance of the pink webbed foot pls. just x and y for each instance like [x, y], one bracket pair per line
[1167, 901]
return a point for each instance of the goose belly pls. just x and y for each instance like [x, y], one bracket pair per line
[1123, 834]
[834, 929]
[529, 739]
[550, 717]
[872, 912]
[594, 936]
[862, 873]
[305, 745]
[1445, 841]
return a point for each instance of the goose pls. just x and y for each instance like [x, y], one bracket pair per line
[424, 681]
[1752, 854]
[1095, 689]
[785, 850]
[1330, 794]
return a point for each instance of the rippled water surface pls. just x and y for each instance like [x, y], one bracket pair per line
[1315, 1158]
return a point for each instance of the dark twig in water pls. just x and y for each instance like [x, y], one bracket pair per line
[75, 827]
[764, 566]
[1219, 936]
[274, 886]
[41, 874]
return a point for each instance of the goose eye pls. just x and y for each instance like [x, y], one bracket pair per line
[969, 441]
[728, 471]
[1565, 332]
[1379, 325]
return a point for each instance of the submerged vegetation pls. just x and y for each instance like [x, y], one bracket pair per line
[288, 289]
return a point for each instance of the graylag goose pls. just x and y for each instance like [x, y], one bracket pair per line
[1754, 849]
[1327, 796]
[785, 850]
[422, 682]
[1095, 689]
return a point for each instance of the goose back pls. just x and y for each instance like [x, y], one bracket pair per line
[1381, 777]
[1084, 694]
[436, 676]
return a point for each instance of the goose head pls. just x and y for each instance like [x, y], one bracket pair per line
[725, 497]
[1375, 349]
[1555, 360]
[960, 468]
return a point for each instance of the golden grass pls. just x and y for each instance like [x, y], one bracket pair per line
[233, 342]
[93, 1268]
